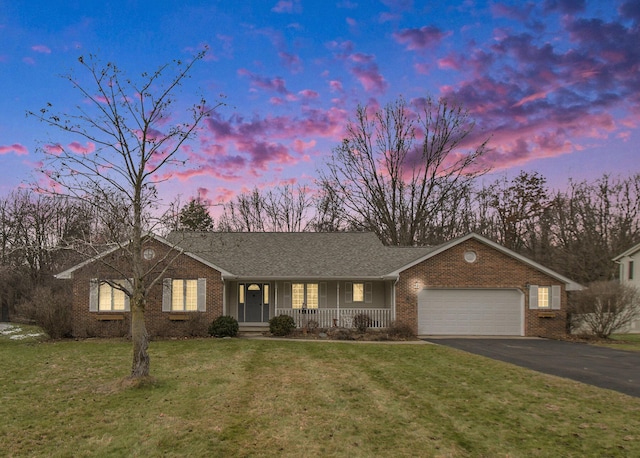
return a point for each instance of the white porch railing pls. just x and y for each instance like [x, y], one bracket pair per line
[327, 318]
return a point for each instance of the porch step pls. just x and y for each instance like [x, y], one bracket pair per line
[252, 329]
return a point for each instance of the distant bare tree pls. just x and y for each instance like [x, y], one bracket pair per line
[591, 223]
[130, 141]
[393, 186]
[329, 211]
[605, 307]
[281, 209]
[518, 205]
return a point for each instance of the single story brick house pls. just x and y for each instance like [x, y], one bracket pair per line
[468, 286]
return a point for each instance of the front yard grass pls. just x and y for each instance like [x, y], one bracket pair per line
[236, 397]
[624, 342]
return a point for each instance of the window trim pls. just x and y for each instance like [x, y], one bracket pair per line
[554, 297]
[94, 294]
[367, 292]
[167, 295]
[321, 297]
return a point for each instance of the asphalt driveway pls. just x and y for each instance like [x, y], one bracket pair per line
[617, 370]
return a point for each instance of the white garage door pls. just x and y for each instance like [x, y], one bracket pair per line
[489, 312]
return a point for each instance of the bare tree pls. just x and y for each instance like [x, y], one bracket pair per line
[591, 222]
[518, 205]
[391, 185]
[281, 209]
[605, 307]
[130, 140]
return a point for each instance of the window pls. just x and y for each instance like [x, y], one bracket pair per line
[358, 292]
[630, 273]
[304, 295]
[184, 295]
[108, 295]
[545, 297]
[110, 298]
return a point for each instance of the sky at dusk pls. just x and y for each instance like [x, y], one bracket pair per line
[555, 84]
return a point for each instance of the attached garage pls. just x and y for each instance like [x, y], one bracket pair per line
[489, 312]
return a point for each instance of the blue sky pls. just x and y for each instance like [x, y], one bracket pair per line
[555, 83]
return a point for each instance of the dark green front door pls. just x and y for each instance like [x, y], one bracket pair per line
[253, 306]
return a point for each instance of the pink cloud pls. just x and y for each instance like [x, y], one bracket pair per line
[78, 148]
[300, 147]
[291, 61]
[270, 84]
[419, 39]
[370, 78]
[16, 148]
[41, 49]
[309, 94]
[422, 68]
[449, 62]
[287, 6]
[367, 73]
[29, 60]
[54, 149]
[335, 86]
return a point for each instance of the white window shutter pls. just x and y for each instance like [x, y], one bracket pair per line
[202, 294]
[533, 296]
[287, 294]
[368, 292]
[556, 292]
[348, 292]
[94, 286]
[166, 295]
[322, 294]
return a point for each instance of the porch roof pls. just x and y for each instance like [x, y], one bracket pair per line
[298, 254]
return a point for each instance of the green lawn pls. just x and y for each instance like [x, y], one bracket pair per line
[624, 342]
[235, 397]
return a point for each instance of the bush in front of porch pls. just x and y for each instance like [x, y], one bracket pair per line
[281, 325]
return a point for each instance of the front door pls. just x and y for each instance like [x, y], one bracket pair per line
[253, 306]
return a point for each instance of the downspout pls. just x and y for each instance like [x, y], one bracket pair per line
[393, 299]
[224, 296]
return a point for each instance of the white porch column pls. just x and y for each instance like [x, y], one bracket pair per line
[338, 302]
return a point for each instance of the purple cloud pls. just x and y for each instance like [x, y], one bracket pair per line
[419, 39]
[287, 6]
[270, 84]
[41, 49]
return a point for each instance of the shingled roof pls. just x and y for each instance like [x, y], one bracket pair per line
[358, 255]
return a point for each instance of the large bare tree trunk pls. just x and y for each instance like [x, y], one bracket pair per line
[140, 338]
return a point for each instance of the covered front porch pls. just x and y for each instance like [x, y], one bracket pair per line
[322, 304]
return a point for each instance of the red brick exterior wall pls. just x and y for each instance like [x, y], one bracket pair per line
[492, 269]
[158, 323]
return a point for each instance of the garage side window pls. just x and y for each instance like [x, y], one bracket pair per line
[544, 297]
